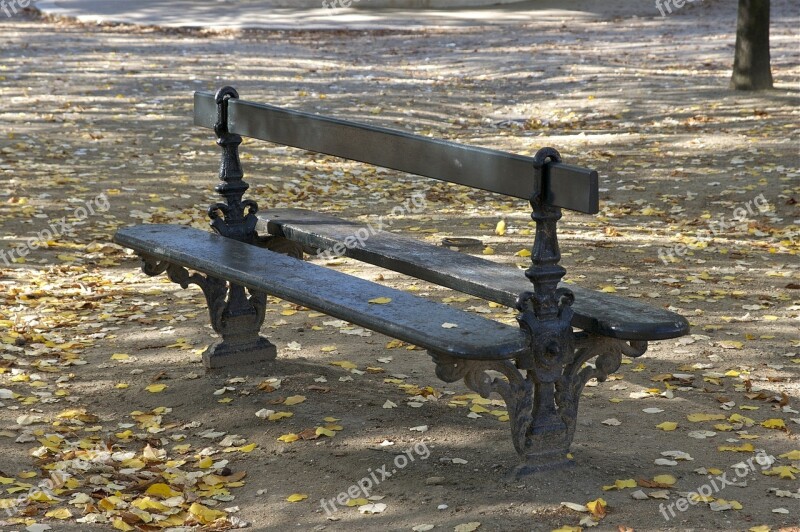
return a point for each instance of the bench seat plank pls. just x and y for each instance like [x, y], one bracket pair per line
[407, 317]
[595, 312]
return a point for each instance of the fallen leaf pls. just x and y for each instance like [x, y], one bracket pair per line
[375, 508]
[698, 417]
[294, 399]
[597, 508]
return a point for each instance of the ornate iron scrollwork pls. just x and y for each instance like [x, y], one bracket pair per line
[236, 316]
[238, 217]
[542, 411]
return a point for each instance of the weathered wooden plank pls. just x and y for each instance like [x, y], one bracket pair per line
[564, 185]
[407, 317]
[595, 312]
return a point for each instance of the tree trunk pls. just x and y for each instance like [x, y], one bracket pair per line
[751, 68]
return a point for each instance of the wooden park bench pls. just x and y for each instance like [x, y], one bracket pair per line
[545, 362]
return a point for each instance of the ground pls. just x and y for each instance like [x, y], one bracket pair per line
[97, 135]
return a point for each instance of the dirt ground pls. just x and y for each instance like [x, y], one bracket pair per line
[100, 369]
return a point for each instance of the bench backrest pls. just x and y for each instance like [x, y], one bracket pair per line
[563, 185]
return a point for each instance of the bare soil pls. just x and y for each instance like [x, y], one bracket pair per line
[91, 110]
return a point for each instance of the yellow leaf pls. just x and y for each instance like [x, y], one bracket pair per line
[567, 528]
[119, 524]
[357, 502]
[322, 431]
[667, 426]
[523, 253]
[121, 385]
[488, 250]
[791, 455]
[345, 364]
[294, 399]
[759, 528]
[621, 484]
[786, 472]
[744, 448]
[608, 289]
[774, 423]
[60, 513]
[205, 514]
[695, 418]
[146, 503]
[279, 415]
[205, 463]
[696, 497]
[288, 312]
[296, 497]
[597, 507]
[500, 228]
[730, 344]
[38, 496]
[331, 419]
[744, 420]
[120, 356]
[225, 400]
[156, 388]
[249, 448]
[667, 480]
[381, 300]
[289, 438]
[161, 490]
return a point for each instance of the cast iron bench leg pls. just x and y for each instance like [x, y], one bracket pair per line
[542, 402]
[236, 316]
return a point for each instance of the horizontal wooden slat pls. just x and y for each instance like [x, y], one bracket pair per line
[567, 186]
[595, 312]
[407, 317]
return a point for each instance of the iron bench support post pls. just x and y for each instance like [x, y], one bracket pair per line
[236, 313]
[542, 388]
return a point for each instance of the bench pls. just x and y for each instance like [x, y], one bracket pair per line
[538, 368]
